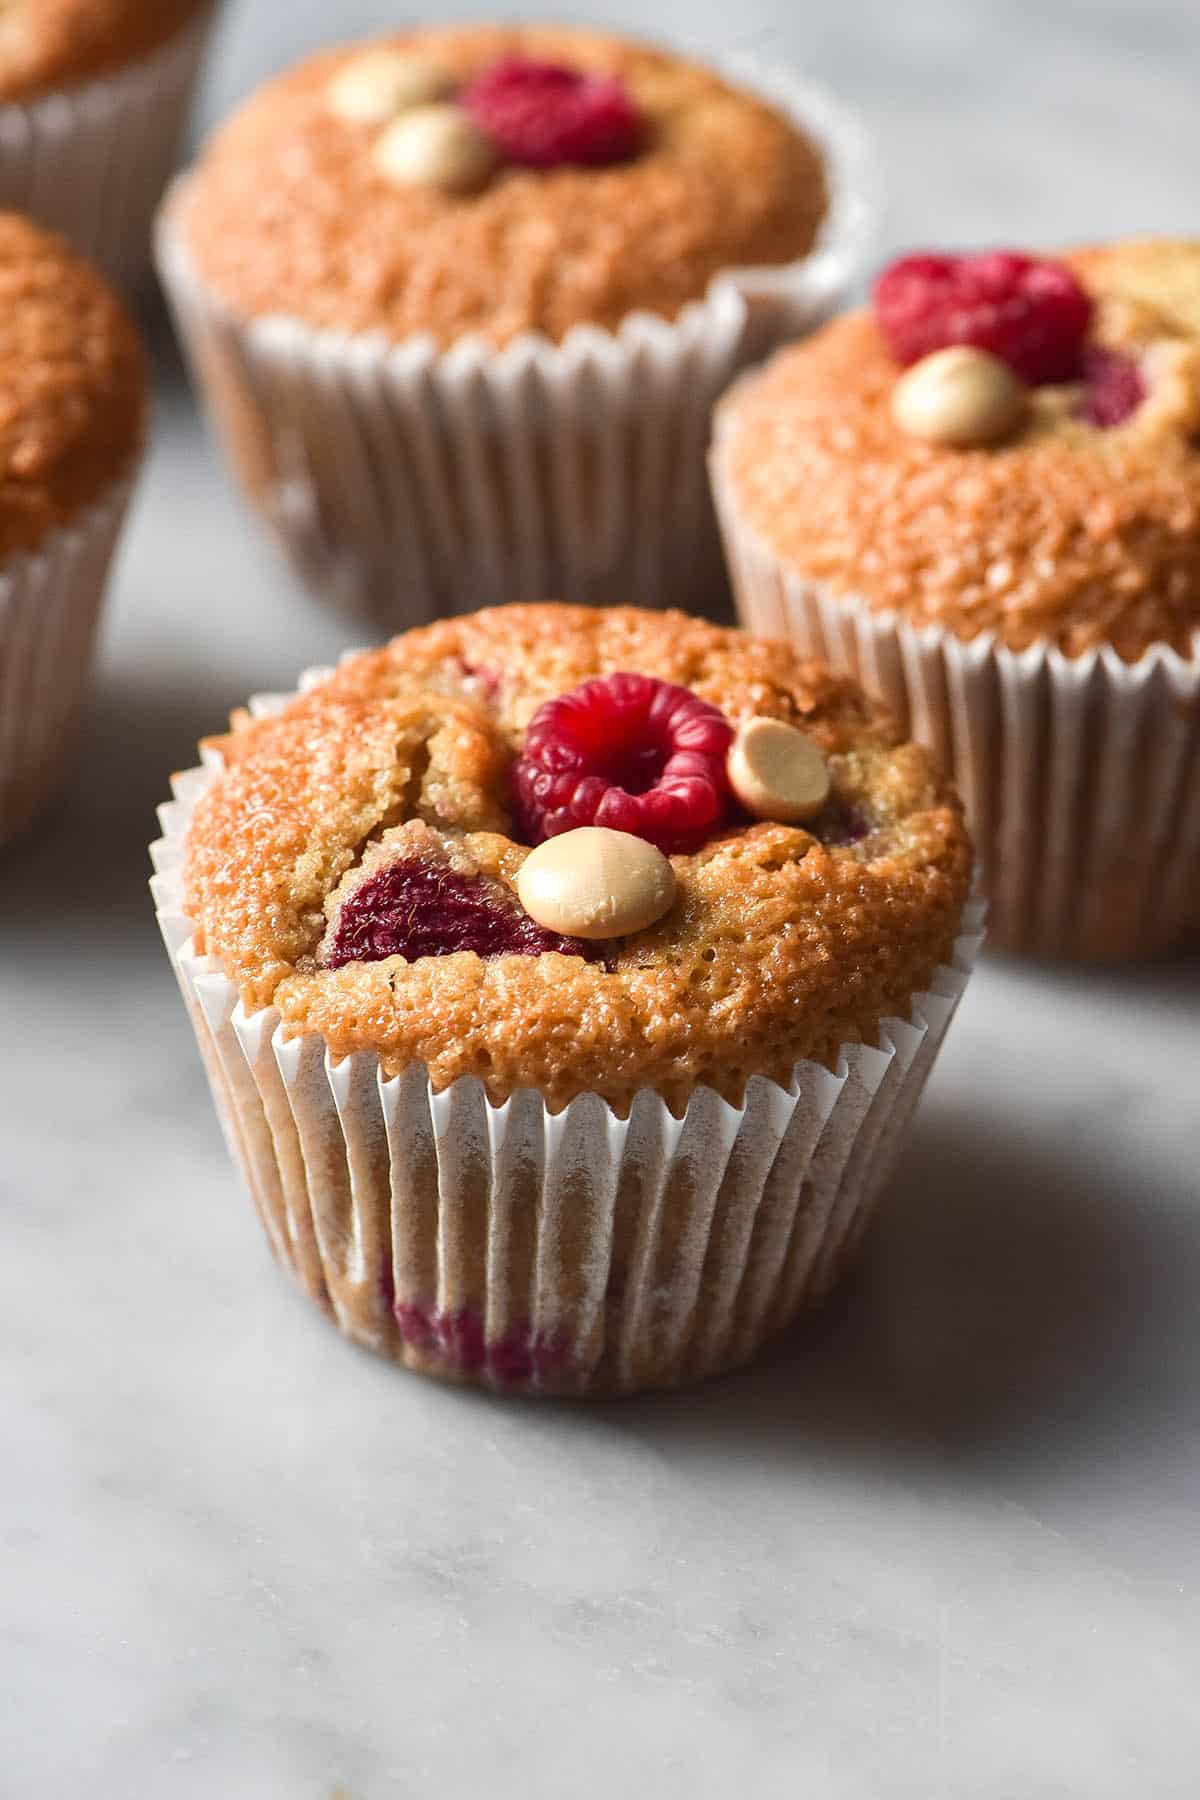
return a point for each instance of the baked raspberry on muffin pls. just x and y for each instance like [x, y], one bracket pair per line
[982, 497]
[93, 98]
[460, 299]
[566, 977]
[72, 420]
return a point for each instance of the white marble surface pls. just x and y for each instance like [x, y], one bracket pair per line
[942, 1546]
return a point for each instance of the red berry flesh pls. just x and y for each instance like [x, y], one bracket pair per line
[542, 115]
[1114, 387]
[629, 752]
[414, 909]
[1031, 313]
[484, 683]
[457, 1339]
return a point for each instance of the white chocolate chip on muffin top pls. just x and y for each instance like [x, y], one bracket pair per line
[438, 145]
[374, 87]
[595, 883]
[778, 772]
[959, 396]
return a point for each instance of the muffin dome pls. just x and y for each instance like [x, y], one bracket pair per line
[1081, 528]
[295, 210]
[395, 776]
[72, 385]
[52, 44]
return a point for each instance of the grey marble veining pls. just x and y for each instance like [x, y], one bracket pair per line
[942, 1546]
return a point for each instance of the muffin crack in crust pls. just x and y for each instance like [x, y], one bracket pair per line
[782, 943]
[326, 234]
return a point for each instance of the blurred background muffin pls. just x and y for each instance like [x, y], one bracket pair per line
[983, 498]
[460, 301]
[72, 418]
[94, 95]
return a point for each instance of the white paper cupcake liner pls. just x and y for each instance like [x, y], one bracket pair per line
[92, 161]
[1081, 775]
[406, 481]
[523, 1249]
[49, 606]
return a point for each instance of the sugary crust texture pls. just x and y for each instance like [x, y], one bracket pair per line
[288, 214]
[73, 385]
[49, 45]
[1067, 535]
[778, 948]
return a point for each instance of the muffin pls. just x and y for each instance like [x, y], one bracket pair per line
[983, 500]
[565, 978]
[93, 97]
[460, 301]
[72, 418]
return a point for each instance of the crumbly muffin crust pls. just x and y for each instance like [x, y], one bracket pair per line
[47, 45]
[779, 947]
[288, 213]
[72, 385]
[1068, 534]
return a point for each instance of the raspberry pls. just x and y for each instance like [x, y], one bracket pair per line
[457, 1338]
[629, 752]
[481, 682]
[1114, 387]
[1031, 314]
[415, 909]
[540, 114]
[523, 1355]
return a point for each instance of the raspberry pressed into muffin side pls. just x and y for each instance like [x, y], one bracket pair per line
[356, 865]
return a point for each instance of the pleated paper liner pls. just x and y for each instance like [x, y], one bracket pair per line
[92, 161]
[571, 1252]
[1081, 775]
[405, 481]
[49, 606]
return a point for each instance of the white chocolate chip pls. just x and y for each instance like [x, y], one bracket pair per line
[435, 145]
[374, 87]
[595, 883]
[777, 772]
[960, 396]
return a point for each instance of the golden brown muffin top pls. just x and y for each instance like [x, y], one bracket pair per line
[289, 214]
[1068, 533]
[784, 942]
[47, 45]
[73, 385]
